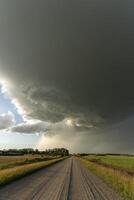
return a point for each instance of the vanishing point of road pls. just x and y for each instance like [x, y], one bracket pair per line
[66, 180]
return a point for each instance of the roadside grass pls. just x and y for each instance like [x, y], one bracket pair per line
[11, 174]
[122, 182]
[119, 162]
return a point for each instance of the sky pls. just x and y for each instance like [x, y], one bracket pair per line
[67, 75]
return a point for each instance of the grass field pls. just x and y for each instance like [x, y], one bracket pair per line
[14, 167]
[117, 171]
[13, 161]
[9, 159]
[119, 162]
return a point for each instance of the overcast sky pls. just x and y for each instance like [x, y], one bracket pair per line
[67, 74]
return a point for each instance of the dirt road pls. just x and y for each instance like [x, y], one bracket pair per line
[66, 180]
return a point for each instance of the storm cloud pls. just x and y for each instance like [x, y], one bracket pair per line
[30, 127]
[69, 59]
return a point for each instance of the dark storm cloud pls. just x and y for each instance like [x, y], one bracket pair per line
[69, 58]
[82, 47]
[30, 127]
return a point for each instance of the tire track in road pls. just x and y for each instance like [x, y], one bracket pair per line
[66, 180]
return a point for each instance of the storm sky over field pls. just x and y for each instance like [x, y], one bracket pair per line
[67, 74]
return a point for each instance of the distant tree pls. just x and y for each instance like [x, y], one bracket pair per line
[57, 152]
[49, 152]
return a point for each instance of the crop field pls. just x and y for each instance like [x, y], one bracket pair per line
[13, 161]
[118, 162]
[8, 159]
[117, 171]
[14, 167]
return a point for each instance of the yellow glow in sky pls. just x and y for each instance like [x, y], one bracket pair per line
[69, 122]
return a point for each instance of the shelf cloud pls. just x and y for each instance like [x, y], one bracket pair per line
[69, 60]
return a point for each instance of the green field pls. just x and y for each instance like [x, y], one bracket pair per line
[117, 171]
[119, 162]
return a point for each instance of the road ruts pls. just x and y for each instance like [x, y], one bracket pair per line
[66, 180]
[87, 186]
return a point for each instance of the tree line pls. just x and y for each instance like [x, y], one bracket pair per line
[26, 151]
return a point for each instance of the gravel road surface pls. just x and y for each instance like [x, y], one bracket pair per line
[66, 180]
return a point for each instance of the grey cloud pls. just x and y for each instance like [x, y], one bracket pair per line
[104, 140]
[69, 59]
[30, 127]
[81, 48]
[6, 120]
[48, 128]
[48, 103]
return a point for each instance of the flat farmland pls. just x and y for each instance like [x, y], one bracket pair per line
[118, 162]
[73, 178]
[116, 170]
[13, 161]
